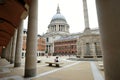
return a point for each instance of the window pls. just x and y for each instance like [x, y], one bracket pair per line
[47, 39]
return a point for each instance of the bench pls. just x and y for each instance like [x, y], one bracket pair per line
[38, 61]
[55, 63]
[100, 64]
[101, 67]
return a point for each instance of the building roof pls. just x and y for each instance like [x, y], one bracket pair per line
[58, 16]
[11, 14]
[67, 38]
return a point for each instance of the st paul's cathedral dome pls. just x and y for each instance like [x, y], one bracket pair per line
[58, 23]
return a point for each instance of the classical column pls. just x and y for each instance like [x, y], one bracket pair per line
[3, 52]
[65, 28]
[109, 22]
[8, 51]
[18, 52]
[86, 18]
[13, 47]
[31, 49]
[57, 28]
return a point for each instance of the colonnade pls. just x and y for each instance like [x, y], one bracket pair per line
[109, 22]
[13, 51]
[58, 28]
[31, 50]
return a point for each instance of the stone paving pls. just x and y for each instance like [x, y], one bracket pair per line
[96, 74]
[70, 70]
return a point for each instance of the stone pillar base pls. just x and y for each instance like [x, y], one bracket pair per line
[17, 65]
[2, 57]
[11, 61]
[30, 72]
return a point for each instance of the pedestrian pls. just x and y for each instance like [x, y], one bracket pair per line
[56, 59]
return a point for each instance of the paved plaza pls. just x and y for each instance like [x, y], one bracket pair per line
[69, 70]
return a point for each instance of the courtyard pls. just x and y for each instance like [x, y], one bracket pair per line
[69, 70]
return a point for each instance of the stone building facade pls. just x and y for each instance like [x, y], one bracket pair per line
[60, 42]
[66, 45]
[83, 45]
[109, 28]
[57, 28]
[89, 44]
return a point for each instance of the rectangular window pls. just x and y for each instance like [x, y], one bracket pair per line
[47, 39]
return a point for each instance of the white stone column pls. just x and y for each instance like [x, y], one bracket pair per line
[13, 47]
[31, 49]
[86, 18]
[18, 52]
[65, 28]
[109, 22]
[56, 27]
[8, 50]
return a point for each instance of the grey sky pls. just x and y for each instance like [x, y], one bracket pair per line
[72, 10]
